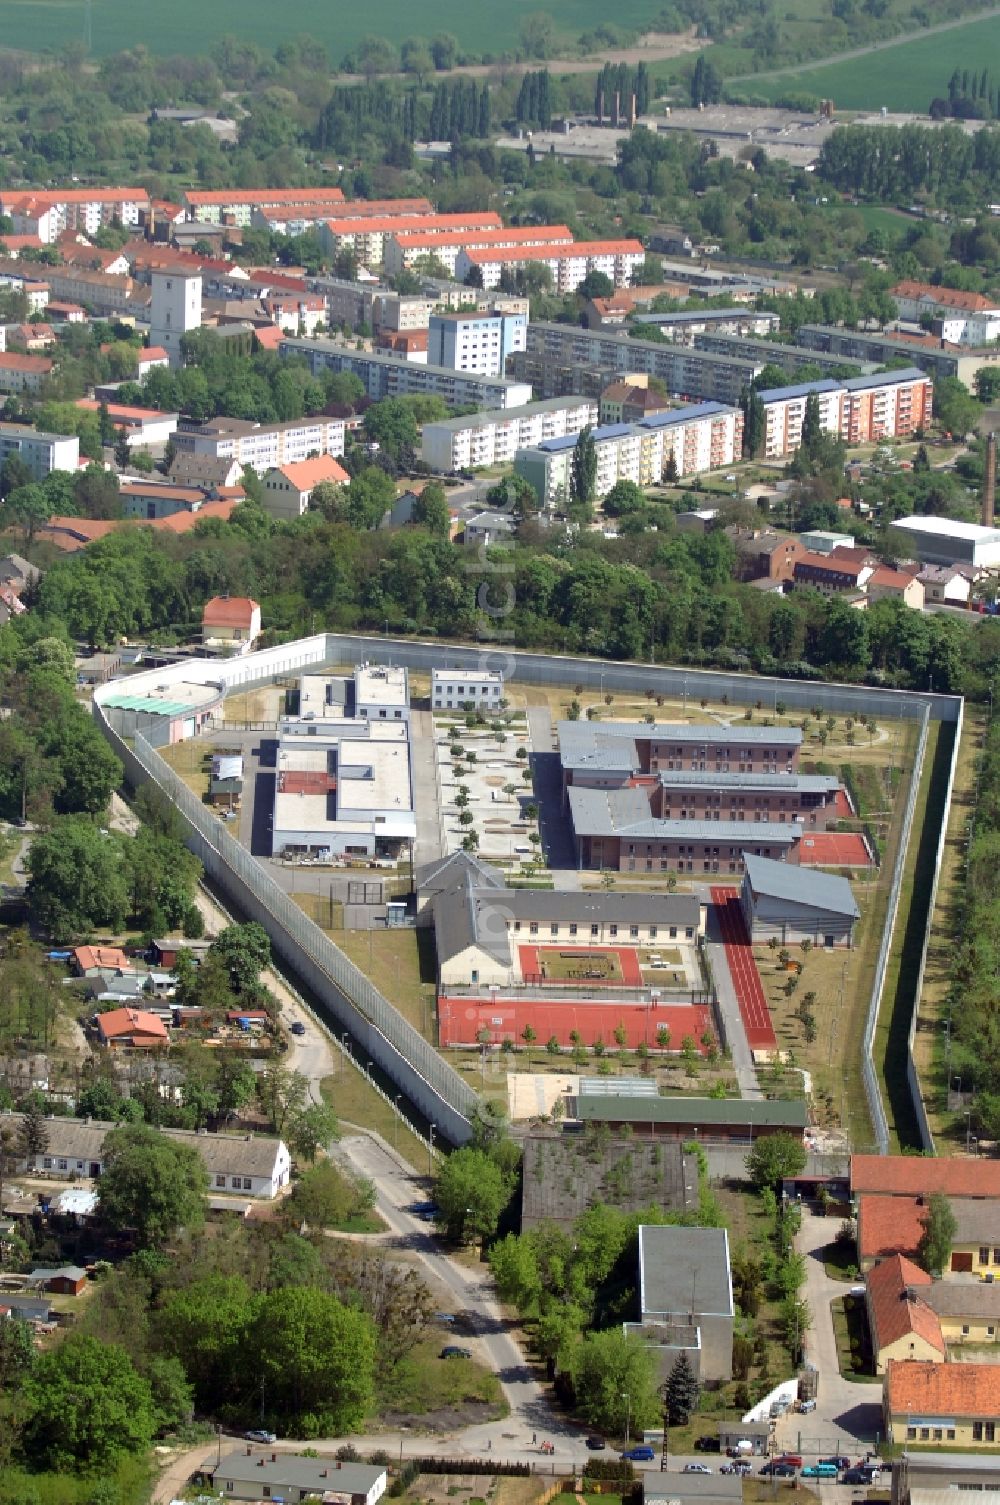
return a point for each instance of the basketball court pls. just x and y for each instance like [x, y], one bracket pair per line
[834, 849]
[595, 966]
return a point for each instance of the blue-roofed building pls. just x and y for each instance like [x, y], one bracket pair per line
[859, 410]
[673, 443]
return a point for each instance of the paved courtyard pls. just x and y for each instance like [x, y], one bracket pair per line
[498, 797]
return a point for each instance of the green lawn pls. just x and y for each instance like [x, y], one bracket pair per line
[184, 27]
[850, 1326]
[906, 77]
[424, 1382]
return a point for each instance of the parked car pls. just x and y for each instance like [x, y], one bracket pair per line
[454, 1352]
[839, 1461]
[706, 1444]
[740, 1466]
[297, 1027]
[856, 1476]
[820, 1471]
[259, 1435]
[643, 1453]
[596, 1444]
[447, 1318]
[696, 1468]
[795, 1459]
[807, 1406]
[779, 1470]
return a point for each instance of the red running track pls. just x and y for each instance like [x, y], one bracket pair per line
[743, 970]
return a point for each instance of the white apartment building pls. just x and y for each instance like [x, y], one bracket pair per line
[478, 341]
[296, 218]
[24, 373]
[367, 234]
[493, 437]
[960, 318]
[457, 689]
[568, 265]
[387, 375]
[174, 311]
[263, 446]
[48, 214]
[859, 411]
[406, 247]
[699, 438]
[41, 453]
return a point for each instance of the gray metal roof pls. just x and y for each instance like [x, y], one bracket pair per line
[705, 316]
[447, 871]
[803, 389]
[739, 733]
[625, 812]
[952, 1463]
[800, 885]
[292, 1471]
[618, 1086]
[803, 783]
[670, 417]
[772, 1113]
[506, 415]
[684, 1270]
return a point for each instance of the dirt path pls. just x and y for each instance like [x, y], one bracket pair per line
[856, 52]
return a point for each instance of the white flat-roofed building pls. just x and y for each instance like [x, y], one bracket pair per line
[47, 213]
[942, 540]
[567, 265]
[494, 437]
[478, 341]
[548, 467]
[41, 453]
[406, 248]
[381, 692]
[344, 791]
[456, 689]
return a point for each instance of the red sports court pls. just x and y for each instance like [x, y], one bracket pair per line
[592, 966]
[834, 849]
[462, 1021]
[743, 970]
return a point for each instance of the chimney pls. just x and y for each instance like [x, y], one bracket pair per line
[990, 480]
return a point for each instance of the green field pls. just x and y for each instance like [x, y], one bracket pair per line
[904, 77]
[183, 26]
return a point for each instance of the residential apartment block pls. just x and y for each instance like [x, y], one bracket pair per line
[236, 205]
[406, 247]
[479, 341]
[369, 236]
[393, 376]
[294, 218]
[860, 410]
[263, 446]
[693, 439]
[568, 266]
[559, 352]
[47, 213]
[41, 453]
[682, 326]
[791, 358]
[493, 437]
[929, 355]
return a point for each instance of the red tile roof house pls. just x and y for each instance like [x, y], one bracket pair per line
[230, 624]
[919, 1176]
[946, 1404]
[289, 488]
[89, 959]
[889, 1225]
[131, 1027]
[901, 1324]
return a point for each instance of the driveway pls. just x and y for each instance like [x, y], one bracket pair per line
[847, 1412]
[553, 824]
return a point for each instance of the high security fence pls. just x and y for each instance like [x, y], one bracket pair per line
[876, 1107]
[912, 1075]
[394, 1045]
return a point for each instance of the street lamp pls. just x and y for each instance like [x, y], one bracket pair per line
[958, 1079]
[628, 1413]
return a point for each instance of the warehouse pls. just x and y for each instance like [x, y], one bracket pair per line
[796, 905]
[942, 540]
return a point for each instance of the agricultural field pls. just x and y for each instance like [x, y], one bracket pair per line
[35, 25]
[904, 76]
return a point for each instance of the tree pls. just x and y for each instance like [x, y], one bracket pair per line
[246, 950]
[313, 1361]
[955, 409]
[33, 1138]
[17, 1352]
[682, 1392]
[325, 1196]
[608, 1366]
[312, 1129]
[203, 1325]
[283, 1095]
[583, 473]
[85, 1406]
[624, 497]
[430, 510]
[391, 425]
[27, 507]
[596, 285]
[537, 35]
[774, 1158]
[151, 1184]
[940, 1227]
[471, 1192]
[76, 879]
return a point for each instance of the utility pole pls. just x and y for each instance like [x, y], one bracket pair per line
[665, 1450]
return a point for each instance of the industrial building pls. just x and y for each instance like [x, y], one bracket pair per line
[686, 1300]
[944, 541]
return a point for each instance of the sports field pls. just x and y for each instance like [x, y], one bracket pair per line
[182, 26]
[903, 77]
[599, 965]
